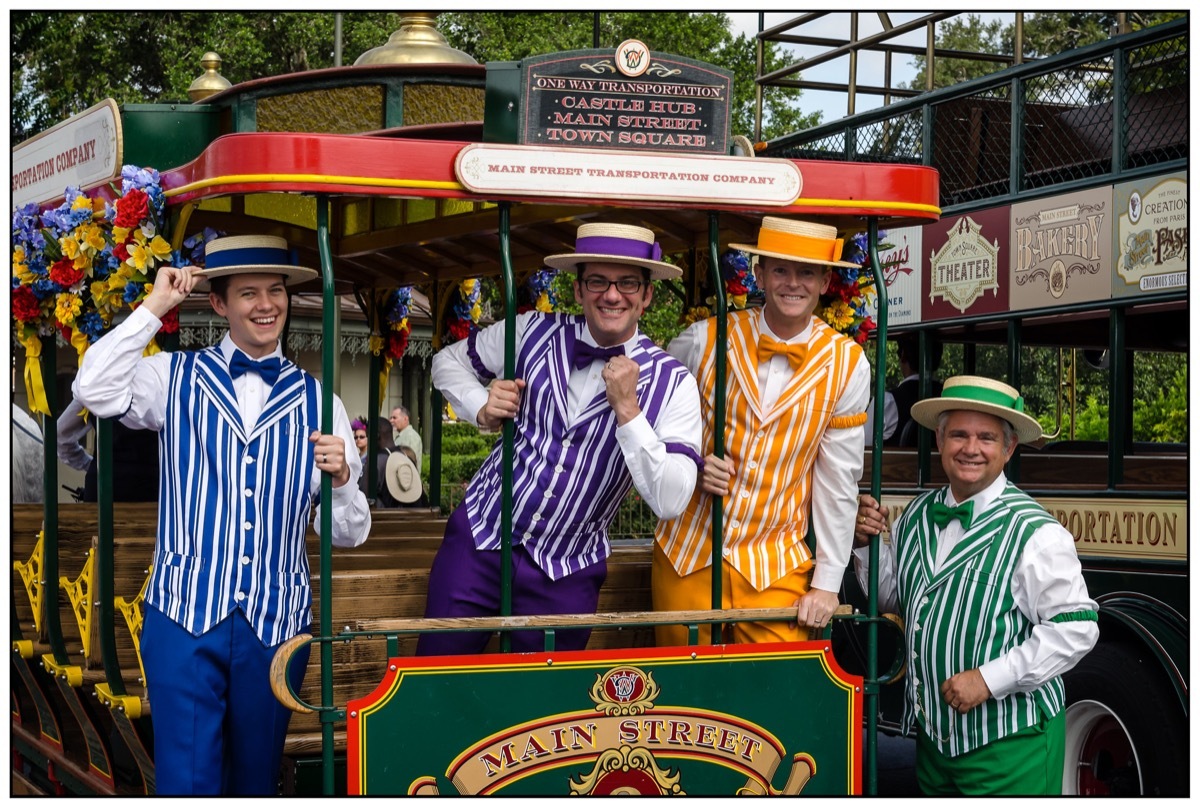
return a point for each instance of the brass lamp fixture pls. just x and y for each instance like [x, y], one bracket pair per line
[210, 82]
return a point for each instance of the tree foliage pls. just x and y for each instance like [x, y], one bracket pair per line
[64, 62]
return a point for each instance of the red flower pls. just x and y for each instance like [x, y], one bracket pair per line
[170, 322]
[25, 304]
[396, 343]
[132, 208]
[121, 251]
[735, 287]
[460, 329]
[65, 330]
[64, 273]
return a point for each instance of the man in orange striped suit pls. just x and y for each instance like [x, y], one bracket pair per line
[796, 396]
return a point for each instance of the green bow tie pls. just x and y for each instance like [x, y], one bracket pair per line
[942, 514]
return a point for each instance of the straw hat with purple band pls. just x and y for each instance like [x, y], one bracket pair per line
[980, 394]
[402, 478]
[792, 240]
[616, 244]
[241, 255]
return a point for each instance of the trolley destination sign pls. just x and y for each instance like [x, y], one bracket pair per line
[711, 720]
[629, 98]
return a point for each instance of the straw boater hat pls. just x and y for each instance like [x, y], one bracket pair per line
[402, 478]
[616, 244]
[240, 255]
[981, 395]
[792, 240]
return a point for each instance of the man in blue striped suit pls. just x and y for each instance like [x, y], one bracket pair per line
[241, 458]
[598, 407]
[994, 603]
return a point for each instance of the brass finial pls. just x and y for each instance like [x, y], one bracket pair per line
[416, 42]
[210, 82]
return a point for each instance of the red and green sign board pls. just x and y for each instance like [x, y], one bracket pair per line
[713, 720]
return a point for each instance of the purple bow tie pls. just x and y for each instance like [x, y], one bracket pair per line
[584, 353]
[267, 368]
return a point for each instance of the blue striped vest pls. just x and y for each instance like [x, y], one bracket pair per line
[234, 507]
[568, 479]
[964, 616]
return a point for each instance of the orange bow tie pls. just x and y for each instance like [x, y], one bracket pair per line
[768, 347]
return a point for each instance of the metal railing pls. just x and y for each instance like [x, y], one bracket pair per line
[1115, 109]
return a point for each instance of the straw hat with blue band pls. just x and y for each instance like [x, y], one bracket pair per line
[792, 240]
[242, 255]
[616, 244]
[979, 394]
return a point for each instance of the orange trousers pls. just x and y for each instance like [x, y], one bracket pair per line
[673, 592]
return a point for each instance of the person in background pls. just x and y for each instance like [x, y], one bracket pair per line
[359, 425]
[898, 427]
[795, 397]
[383, 447]
[406, 433]
[135, 457]
[597, 407]
[241, 465]
[994, 603]
[28, 457]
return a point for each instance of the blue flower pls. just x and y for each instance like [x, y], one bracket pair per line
[44, 288]
[132, 290]
[90, 324]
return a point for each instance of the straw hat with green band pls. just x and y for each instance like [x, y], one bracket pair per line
[981, 395]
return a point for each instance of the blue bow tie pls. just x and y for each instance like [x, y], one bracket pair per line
[584, 353]
[267, 368]
[942, 514]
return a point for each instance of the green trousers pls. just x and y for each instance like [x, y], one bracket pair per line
[1027, 763]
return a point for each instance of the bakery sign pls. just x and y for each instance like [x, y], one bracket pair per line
[661, 722]
[627, 98]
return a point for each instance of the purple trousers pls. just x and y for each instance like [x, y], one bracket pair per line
[465, 582]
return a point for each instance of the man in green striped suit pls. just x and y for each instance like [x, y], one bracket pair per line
[994, 604]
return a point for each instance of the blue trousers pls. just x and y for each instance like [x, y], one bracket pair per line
[218, 728]
[465, 582]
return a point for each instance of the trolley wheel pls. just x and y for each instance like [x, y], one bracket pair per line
[1126, 731]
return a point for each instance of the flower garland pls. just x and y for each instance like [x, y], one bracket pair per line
[741, 290]
[846, 307]
[464, 311]
[390, 328]
[76, 266]
[539, 292]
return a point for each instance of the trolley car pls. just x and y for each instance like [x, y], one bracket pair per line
[428, 205]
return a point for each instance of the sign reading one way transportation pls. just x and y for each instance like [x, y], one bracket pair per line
[708, 720]
[81, 151]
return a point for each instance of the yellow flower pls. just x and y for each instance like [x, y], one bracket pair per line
[67, 307]
[83, 202]
[120, 234]
[93, 236]
[137, 256]
[70, 246]
[838, 315]
[160, 248]
[476, 312]
[468, 286]
[543, 303]
[375, 344]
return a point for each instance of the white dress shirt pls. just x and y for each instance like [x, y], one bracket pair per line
[665, 480]
[116, 380]
[1048, 581]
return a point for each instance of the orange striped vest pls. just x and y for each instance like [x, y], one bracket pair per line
[766, 514]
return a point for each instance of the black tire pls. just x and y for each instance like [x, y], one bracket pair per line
[1126, 731]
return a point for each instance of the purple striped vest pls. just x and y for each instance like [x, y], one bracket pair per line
[568, 479]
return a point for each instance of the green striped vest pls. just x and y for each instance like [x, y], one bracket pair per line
[964, 616]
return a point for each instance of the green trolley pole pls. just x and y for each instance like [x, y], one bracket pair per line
[872, 679]
[328, 301]
[506, 474]
[718, 515]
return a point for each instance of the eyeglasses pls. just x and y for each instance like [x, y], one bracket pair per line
[360, 437]
[626, 286]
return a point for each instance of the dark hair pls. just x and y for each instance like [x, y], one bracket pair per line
[220, 285]
[908, 349]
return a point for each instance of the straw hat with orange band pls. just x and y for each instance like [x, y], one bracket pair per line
[792, 240]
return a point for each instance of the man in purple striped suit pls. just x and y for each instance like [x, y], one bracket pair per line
[597, 407]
